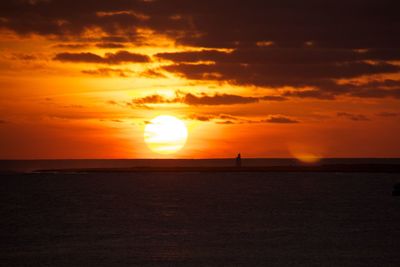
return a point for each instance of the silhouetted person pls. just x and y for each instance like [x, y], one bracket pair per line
[238, 161]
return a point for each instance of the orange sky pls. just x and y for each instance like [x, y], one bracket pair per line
[80, 92]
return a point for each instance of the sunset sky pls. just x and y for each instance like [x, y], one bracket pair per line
[81, 79]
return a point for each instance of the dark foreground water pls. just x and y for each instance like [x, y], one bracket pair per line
[199, 219]
[34, 165]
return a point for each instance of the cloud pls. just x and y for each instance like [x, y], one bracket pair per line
[79, 57]
[388, 114]
[201, 99]
[110, 45]
[225, 122]
[230, 119]
[353, 117]
[328, 90]
[109, 58]
[217, 99]
[279, 119]
[279, 75]
[3, 121]
[154, 99]
[194, 56]
[55, 17]
[112, 102]
[273, 98]
[119, 121]
[201, 117]
[125, 73]
[107, 72]
[73, 106]
[376, 93]
[125, 57]
[216, 24]
[224, 99]
[271, 44]
[24, 56]
[311, 93]
[297, 67]
[218, 117]
[151, 73]
[115, 39]
[72, 46]
[281, 55]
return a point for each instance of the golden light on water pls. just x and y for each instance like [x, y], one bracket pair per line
[307, 157]
[305, 153]
[165, 134]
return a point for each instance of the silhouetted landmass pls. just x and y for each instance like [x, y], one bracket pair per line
[370, 168]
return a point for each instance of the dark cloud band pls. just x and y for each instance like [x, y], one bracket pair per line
[109, 58]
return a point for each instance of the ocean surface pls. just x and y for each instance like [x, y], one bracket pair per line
[34, 165]
[197, 219]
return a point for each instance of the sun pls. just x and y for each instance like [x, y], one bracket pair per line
[165, 134]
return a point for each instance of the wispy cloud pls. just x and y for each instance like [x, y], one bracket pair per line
[353, 117]
[109, 58]
[107, 72]
[388, 114]
[202, 99]
[110, 45]
[230, 119]
[279, 119]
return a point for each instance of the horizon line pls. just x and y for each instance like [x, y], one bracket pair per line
[222, 158]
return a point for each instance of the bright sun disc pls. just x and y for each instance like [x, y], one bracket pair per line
[165, 134]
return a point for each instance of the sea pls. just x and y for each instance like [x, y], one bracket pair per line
[196, 218]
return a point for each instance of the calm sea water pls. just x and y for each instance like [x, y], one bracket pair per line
[199, 219]
[32, 165]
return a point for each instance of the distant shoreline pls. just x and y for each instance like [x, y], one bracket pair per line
[369, 168]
